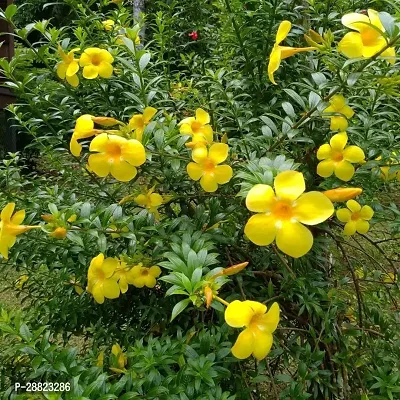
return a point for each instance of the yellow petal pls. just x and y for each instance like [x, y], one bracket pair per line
[123, 171]
[223, 174]
[134, 152]
[362, 226]
[283, 31]
[238, 314]
[90, 72]
[61, 70]
[105, 56]
[375, 46]
[269, 322]
[313, 208]
[356, 21]
[99, 164]
[99, 143]
[207, 132]
[343, 215]
[72, 69]
[149, 281]
[73, 80]
[18, 217]
[261, 229]
[262, 344]
[350, 228]
[84, 124]
[257, 307]
[391, 54]
[342, 194]
[97, 292]
[208, 183]
[136, 121]
[260, 198]
[353, 154]
[375, 20]
[156, 200]
[294, 239]
[202, 116]
[353, 206]
[324, 152]
[111, 289]
[366, 212]
[7, 212]
[274, 63]
[123, 284]
[109, 266]
[289, 185]
[339, 123]
[149, 113]
[344, 170]
[244, 345]
[351, 45]
[105, 70]
[199, 153]
[337, 102]
[85, 59]
[290, 51]
[338, 141]
[155, 271]
[347, 111]
[195, 171]
[97, 261]
[218, 152]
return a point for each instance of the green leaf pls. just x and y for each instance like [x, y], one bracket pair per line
[144, 60]
[178, 308]
[25, 332]
[10, 11]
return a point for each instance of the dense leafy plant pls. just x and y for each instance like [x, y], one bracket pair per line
[185, 187]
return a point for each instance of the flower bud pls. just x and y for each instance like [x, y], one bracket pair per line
[235, 269]
[209, 296]
[59, 233]
[342, 194]
[48, 217]
[105, 121]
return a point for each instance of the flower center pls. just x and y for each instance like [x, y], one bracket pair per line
[96, 59]
[283, 210]
[144, 272]
[100, 275]
[355, 216]
[196, 126]
[113, 150]
[337, 156]
[208, 166]
[369, 37]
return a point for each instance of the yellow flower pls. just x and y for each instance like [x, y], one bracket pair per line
[338, 105]
[198, 128]
[367, 40]
[259, 326]
[102, 280]
[119, 359]
[206, 166]
[108, 24]
[279, 53]
[139, 122]
[151, 201]
[385, 170]
[96, 62]
[337, 158]
[390, 277]
[115, 235]
[116, 155]
[10, 227]
[126, 276]
[84, 128]
[20, 281]
[355, 217]
[135, 38]
[68, 67]
[100, 359]
[342, 194]
[59, 233]
[143, 276]
[282, 214]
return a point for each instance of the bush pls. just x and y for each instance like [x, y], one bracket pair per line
[168, 250]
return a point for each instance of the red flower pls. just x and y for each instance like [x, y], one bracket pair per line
[193, 35]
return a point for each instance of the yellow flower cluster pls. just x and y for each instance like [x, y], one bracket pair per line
[108, 277]
[206, 155]
[95, 62]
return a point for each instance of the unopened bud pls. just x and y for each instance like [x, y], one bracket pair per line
[342, 194]
[59, 233]
[48, 217]
[105, 121]
[209, 296]
[235, 269]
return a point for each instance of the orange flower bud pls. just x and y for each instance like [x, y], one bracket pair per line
[48, 217]
[342, 194]
[59, 233]
[105, 121]
[234, 269]
[209, 295]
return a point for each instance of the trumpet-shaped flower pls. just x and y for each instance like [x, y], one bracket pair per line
[259, 326]
[108, 25]
[342, 194]
[279, 52]
[68, 67]
[125, 275]
[143, 276]
[118, 359]
[206, 166]
[116, 155]
[139, 122]
[10, 227]
[198, 128]
[282, 213]
[338, 105]
[385, 171]
[367, 40]
[355, 217]
[337, 158]
[84, 128]
[151, 201]
[102, 280]
[96, 62]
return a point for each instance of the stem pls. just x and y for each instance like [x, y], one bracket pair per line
[225, 303]
[284, 262]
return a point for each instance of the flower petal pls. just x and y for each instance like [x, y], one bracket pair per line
[105, 69]
[262, 344]
[350, 228]
[269, 322]
[202, 116]
[353, 154]
[344, 170]
[90, 72]
[99, 143]
[155, 271]
[238, 314]
[223, 174]
[134, 152]
[111, 289]
[362, 226]
[209, 183]
[109, 266]
[85, 59]
[257, 307]
[19, 216]
[97, 292]
[283, 30]
[7, 212]
[351, 45]
[149, 113]
[353, 206]
[294, 239]
[73, 80]
[339, 123]
[123, 284]
[375, 20]
[338, 141]
[105, 56]
[343, 215]
[261, 229]
[244, 345]
[72, 69]
[324, 152]
[195, 171]
[99, 164]
[391, 54]
[355, 21]
[218, 152]
[123, 171]
[274, 63]
[200, 154]
[347, 111]
[150, 281]
[289, 185]
[61, 70]
[156, 200]
[260, 198]
[313, 208]
[366, 212]
[377, 45]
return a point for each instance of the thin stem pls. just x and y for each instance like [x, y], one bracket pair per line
[221, 301]
[284, 262]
